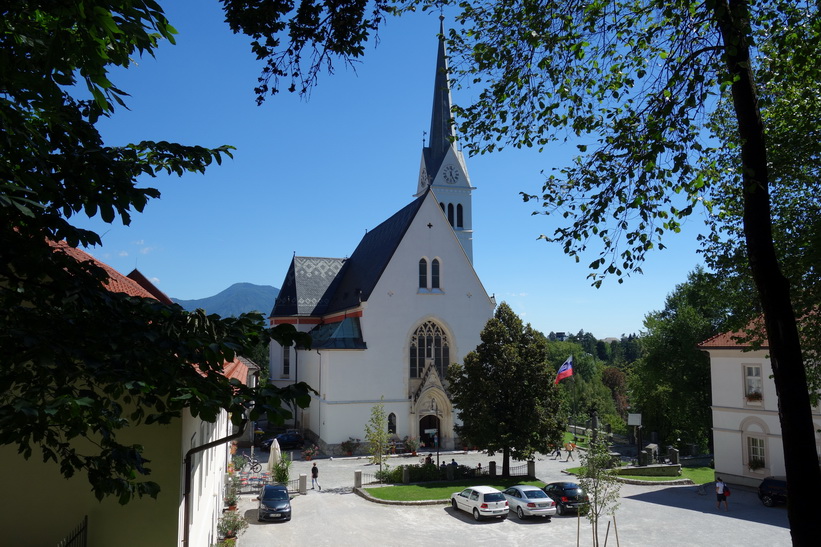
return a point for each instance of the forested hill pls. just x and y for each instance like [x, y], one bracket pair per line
[237, 299]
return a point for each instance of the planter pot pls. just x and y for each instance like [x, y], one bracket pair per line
[307, 458]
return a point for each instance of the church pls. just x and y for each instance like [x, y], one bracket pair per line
[388, 320]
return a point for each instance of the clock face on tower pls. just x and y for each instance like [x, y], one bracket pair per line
[451, 174]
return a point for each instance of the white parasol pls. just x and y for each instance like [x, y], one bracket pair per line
[275, 456]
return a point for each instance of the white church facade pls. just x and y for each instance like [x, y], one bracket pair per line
[387, 321]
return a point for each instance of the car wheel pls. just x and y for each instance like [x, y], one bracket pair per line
[767, 500]
[520, 513]
[504, 517]
[548, 519]
[560, 509]
[476, 515]
[453, 504]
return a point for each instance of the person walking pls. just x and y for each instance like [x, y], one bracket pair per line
[570, 447]
[315, 477]
[721, 494]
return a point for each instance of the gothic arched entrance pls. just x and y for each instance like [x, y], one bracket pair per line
[428, 427]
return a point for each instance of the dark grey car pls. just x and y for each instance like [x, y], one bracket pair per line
[274, 503]
[568, 496]
[773, 490]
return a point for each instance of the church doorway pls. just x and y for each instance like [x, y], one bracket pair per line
[430, 431]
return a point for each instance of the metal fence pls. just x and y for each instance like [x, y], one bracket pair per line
[77, 537]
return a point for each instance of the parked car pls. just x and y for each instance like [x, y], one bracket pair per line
[529, 501]
[274, 503]
[773, 490]
[287, 441]
[568, 496]
[481, 502]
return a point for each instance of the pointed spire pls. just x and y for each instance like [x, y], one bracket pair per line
[441, 130]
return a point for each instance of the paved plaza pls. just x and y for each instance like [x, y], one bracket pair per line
[657, 515]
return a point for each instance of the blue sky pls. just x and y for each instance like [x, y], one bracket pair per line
[311, 176]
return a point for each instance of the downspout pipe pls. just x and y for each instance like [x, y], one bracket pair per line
[190, 456]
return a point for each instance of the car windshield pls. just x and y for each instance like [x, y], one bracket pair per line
[534, 494]
[494, 497]
[275, 495]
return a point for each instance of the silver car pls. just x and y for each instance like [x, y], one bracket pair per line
[481, 502]
[530, 501]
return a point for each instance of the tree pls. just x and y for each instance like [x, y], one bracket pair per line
[504, 391]
[376, 433]
[599, 483]
[633, 82]
[82, 363]
[670, 384]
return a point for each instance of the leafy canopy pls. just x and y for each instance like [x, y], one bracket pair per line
[83, 363]
[505, 393]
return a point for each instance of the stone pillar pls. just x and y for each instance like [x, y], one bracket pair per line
[673, 455]
[303, 483]
[357, 479]
[531, 468]
[405, 474]
[491, 469]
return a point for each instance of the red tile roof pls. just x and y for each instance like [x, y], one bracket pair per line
[735, 339]
[117, 282]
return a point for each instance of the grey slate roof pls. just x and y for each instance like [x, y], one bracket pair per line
[308, 286]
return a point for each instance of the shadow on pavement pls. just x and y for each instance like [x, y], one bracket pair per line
[744, 506]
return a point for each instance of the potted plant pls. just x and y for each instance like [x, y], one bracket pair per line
[412, 444]
[231, 499]
[755, 464]
[231, 524]
[282, 469]
[350, 446]
[754, 396]
[311, 452]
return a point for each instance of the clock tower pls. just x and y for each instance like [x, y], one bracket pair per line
[443, 165]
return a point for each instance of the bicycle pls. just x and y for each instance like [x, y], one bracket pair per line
[701, 490]
[253, 464]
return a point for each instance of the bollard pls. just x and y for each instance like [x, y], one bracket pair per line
[357, 479]
[405, 474]
[303, 483]
[531, 468]
[491, 469]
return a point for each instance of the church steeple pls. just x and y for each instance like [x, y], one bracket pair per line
[441, 128]
[443, 166]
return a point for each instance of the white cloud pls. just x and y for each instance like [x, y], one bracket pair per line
[123, 253]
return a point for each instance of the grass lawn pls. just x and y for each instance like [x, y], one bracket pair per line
[699, 475]
[441, 490]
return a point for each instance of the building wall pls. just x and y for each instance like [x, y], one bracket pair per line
[735, 419]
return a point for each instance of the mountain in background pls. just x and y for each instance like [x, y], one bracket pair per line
[237, 299]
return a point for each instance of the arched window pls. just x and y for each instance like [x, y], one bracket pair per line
[423, 273]
[450, 213]
[391, 423]
[459, 216]
[429, 344]
[434, 274]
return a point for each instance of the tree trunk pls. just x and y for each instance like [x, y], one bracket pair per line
[794, 411]
[506, 462]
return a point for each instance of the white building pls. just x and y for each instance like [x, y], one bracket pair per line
[746, 429]
[388, 321]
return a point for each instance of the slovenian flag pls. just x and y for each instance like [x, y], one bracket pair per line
[565, 370]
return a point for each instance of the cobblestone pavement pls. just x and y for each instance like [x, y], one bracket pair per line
[657, 515]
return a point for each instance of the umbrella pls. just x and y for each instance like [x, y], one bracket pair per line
[275, 456]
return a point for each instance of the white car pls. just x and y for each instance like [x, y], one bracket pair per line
[481, 501]
[530, 501]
